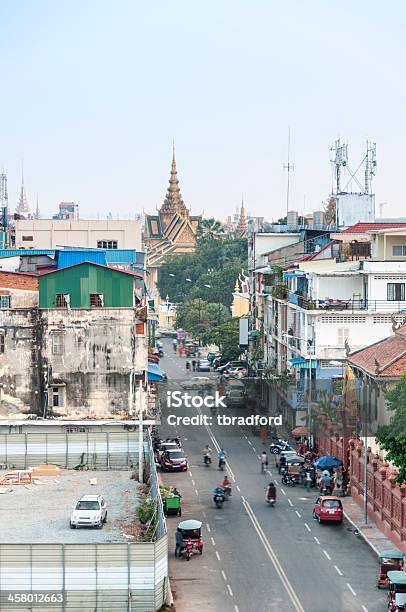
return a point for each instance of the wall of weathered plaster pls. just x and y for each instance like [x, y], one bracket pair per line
[21, 299]
[102, 354]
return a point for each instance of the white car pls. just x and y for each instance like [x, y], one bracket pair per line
[89, 511]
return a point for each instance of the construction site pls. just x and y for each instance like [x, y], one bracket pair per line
[40, 503]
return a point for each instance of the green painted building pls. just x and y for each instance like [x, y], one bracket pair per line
[87, 285]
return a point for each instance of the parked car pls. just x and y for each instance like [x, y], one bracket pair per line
[328, 508]
[211, 355]
[218, 361]
[174, 460]
[231, 364]
[236, 372]
[203, 365]
[89, 511]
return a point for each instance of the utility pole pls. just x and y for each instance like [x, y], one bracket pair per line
[140, 405]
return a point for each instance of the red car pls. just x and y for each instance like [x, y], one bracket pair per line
[174, 460]
[328, 508]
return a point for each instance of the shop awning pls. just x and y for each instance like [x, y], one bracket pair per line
[154, 372]
[301, 362]
[293, 274]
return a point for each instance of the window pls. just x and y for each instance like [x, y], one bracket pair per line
[395, 292]
[58, 344]
[62, 300]
[96, 300]
[28, 238]
[56, 396]
[5, 301]
[2, 344]
[343, 334]
[399, 250]
[107, 244]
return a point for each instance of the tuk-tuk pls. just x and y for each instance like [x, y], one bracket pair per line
[389, 560]
[397, 591]
[192, 538]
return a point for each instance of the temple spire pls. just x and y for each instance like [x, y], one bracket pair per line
[173, 202]
[242, 225]
[22, 205]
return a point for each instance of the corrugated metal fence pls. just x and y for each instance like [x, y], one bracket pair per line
[84, 577]
[95, 450]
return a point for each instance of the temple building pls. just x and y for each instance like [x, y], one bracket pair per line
[242, 225]
[172, 230]
[22, 207]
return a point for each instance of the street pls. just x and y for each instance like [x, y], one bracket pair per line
[255, 556]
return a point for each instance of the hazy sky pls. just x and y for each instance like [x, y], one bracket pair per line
[92, 93]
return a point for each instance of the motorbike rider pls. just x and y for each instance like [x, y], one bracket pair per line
[271, 491]
[221, 457]
[218, 491]
[264, 461]
[226, 485]
[207, 454]
[174, 344]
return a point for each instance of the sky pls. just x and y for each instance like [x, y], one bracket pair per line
[93, 92]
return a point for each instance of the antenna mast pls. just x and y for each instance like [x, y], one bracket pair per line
[3, 201]
[289, 167]
[339, 159]
[370, 165]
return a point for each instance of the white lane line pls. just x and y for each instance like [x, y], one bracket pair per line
[364, 608]
[249, 442]
[212, 541]
[254, 449]
[307, 527]
[238, 488]
[224, 575]
[230, 591]
[274, 559]
[298, 513]
[190, 474]
[197, 492]
[236, 609]
[193, 482]
[208, 527]
[204, 514]
[327, 555]
[218, 556]
[337, 569]
[317, 541]
[351, 589]
[283, 491]
[290, 503]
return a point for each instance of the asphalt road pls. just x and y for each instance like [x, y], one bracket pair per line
[257, 557]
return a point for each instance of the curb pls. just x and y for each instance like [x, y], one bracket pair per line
[170, 600]
[358, 529]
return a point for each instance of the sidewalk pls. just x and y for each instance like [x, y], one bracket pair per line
[372, 535]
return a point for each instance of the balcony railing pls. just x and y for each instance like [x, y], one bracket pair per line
[348, 305]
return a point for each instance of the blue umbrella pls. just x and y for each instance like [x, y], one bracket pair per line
[327, 462]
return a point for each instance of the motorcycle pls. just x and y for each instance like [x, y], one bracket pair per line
[219, 499]
[288, 480]
[207, 460]
[277, 447]
[270, 500]
[222, 463]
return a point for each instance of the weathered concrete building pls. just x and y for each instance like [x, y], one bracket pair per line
[81, 353]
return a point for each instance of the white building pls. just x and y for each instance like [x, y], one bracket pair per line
[53, 233]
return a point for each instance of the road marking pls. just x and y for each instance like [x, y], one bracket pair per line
[317, 540]
[218, 556]
[236, 609]
[249, 442]
[238, 488]
[283, 491]
[259, 457]
[274, 559]
[193, 482]
[197, 492]
[337, 569]
[213, 542]
[327, 555]
[204, 514]
[230, 591]
[208, 527]
[351, 589]
[290, 503]
[190, 474]
[364, 608]
[224, 575]
[298, 513]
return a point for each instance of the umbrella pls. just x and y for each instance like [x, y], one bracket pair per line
[327, 461]
[300, 431]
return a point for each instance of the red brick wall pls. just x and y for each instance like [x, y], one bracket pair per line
[11, 280]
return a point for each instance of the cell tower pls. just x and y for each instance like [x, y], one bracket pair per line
[339, 159]
[3, 199]
[289, 168]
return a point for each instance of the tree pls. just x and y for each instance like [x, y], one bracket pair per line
[392, 438]
[330, 210]
[201, 319]
[210, 228]
[226, 337]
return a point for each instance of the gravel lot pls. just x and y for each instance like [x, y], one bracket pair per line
[40, 513]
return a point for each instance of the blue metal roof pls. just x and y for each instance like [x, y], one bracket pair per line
[65, 259]
[154, 372]
[18, 252]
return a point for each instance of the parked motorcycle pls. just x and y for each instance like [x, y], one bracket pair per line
[277, 447]
[288, 480]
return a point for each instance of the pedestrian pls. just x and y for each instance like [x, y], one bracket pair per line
[308, 480]
[187, 366]
[264, 461]
[194, 365]
[179, 542]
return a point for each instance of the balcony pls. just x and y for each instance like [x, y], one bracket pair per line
[348, 305]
